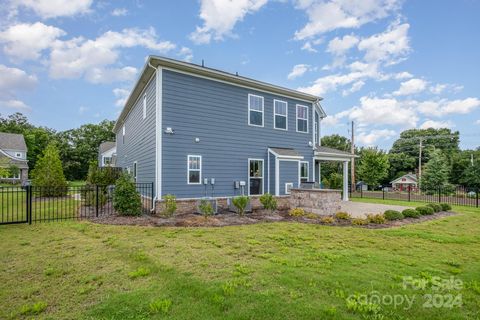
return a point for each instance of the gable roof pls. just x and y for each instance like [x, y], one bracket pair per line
[409, 176]
[332, 151]
[106, 145]
[285, 152]
[12, 141]
[214, 74]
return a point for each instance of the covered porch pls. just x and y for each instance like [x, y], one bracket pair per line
[322, 154]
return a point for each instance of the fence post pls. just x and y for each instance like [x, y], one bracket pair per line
[29, 203]
[361, 190]
[409, 193]
[477, 195]
[383, 192]
[153, 202]
[439, 194]
[96, 200]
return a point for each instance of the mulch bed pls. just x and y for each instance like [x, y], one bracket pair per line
[232, 219]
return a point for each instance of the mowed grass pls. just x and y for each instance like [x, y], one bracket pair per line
[263, 271]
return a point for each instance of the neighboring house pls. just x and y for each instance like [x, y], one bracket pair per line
[405, 182]
[192, 130]
[107, 154]
[13, 152]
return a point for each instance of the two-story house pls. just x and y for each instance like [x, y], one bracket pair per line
[197, 131]
[107, 152]
[13, 153]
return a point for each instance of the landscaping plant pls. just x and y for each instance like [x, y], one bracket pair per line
[327, 220]
[268, 202]
[126, 199]
[359, 222]
[424, 211]
[241, 203]
[393, 215]
[342, 215]
[376, 218]
[48, 174]
[435, 206]
[205, 208]
[446, 206]
[170, 205]
[296, 212]
[411, 213]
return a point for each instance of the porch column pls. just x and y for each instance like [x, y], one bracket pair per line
[345, 181]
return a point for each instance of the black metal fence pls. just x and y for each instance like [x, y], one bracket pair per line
[40, 204]
[459, 195]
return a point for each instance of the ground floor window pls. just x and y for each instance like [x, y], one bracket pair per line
[107, 161]
[255, 169]
[194, 169]
[303, 171]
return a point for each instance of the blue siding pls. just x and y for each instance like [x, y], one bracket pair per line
[272, 174]
[139, 138]
[217, 114]
[288, 174]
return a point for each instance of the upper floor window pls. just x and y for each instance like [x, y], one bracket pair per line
[280, 114]
[144, 106]
[303, 171]
[255, 110]
[302, 118]
[194, 169]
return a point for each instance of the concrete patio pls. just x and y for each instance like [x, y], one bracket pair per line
[361, 209]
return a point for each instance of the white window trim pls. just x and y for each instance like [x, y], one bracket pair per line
[135, 170]
[18, 154]
[296, 117]
[188, 169]
[263, 110]
[275, 114]
[103, 160]
[144, 105]
[300, 170]
[263, 175]
[286, 187]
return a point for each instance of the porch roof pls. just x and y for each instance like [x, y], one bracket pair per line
[285, 153]
[331, 154]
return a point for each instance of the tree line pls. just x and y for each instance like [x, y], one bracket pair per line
[77, 147]
[443, 163]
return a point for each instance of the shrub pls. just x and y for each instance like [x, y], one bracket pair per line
[446, 207]
[89, 194]
[268, 202]
[411, 213]
[297, 212]
[205, 208]
[48, 173]
[102, 176]
[126, 199]
[342, 215]
[425, 210]
[170, 205]
[376, 218]
[393, 215]
[241, 203]
[435, 206]
[311, 215]
[327, 220]
[359, 222]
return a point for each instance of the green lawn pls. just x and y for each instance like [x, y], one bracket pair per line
[263, 271]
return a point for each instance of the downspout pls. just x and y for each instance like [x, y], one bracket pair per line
[155, 198]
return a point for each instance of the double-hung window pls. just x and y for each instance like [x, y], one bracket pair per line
[302, 118]
[255, 110]
[255, 176]
[194, 169]
[303, 171]
[107, 161]
[280, 114]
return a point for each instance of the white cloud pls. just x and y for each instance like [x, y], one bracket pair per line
[402, 75]
[444, 107]
[477, 122]
[307, 46]
[388, 47]
[325, 16]
[26, 41]
[54, 8]
[442, 87]
[355, 87]
[13, 79]
[219, 18]
[411, 86]
[82, 109]
[298, 71]
[369, 139]
[94, 59]
[119, 12]
[436, 124]
[339, 46]
[186, 54]
[121, 95]
[14, 104]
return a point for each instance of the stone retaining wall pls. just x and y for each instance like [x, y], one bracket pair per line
[318, 201]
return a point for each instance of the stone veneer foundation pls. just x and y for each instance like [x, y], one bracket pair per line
[318, 201]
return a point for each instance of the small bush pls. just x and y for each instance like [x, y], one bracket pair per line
[170, 205]
[359, 222]
[446, 207]
[268, 202]
[311, 216]
[241, 203]
[410, 213]
[376, 218]
[393, 215]
[160, 305]
[36, 308]
[424, 211]
[342, 215]
[126, 199]
[435, 206]
[297, 212]
[205, 208]
[327, 220]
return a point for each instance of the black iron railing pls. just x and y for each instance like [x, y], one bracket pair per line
[45, 203]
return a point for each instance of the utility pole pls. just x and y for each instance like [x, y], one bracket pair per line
[352, 167]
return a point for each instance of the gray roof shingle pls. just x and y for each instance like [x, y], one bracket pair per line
[286, 152]
[12, 141]
[106, 145]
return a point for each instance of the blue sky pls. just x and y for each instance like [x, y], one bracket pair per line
[388, 65]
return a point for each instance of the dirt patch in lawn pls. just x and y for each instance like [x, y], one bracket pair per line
[231, 219]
